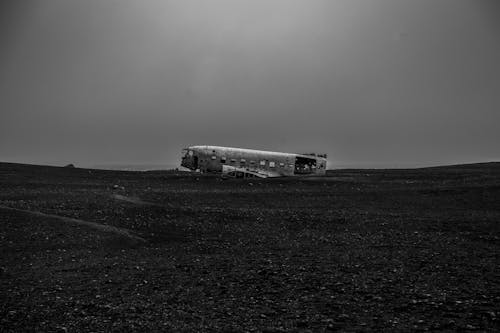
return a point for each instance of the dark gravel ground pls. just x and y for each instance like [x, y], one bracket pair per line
[357, 250]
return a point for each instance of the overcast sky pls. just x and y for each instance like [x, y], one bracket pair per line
[371, 83]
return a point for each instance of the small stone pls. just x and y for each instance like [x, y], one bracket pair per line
[343, 317]
[334, 327]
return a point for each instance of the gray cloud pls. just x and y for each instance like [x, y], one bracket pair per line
[385, 82]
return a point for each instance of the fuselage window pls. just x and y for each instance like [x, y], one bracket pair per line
[242, 161]
[223, 159]
[263, 163]
[282, 165]
[272, 164]
[214, 157]
[290, 165]
[252, 162]
[233, 161]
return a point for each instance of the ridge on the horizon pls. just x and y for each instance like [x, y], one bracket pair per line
[167, 167]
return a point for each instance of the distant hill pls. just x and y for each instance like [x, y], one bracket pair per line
[9, 167]
[135, 167]
[483, 165]
[462, 167]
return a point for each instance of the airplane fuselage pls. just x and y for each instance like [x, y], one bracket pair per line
[258, 162]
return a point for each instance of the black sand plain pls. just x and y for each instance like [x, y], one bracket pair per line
[357, 250]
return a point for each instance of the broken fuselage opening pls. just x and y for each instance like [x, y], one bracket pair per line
[189, 159]
[304, 165]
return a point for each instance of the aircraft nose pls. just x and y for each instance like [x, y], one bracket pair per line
[185, 162]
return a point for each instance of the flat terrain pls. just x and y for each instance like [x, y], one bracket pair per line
[357, 250]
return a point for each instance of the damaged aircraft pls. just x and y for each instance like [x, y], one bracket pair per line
[245, 163]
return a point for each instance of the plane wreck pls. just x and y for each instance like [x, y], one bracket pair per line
[245, 163]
